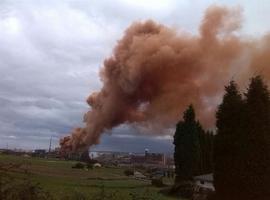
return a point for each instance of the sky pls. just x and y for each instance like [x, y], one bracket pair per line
[50, 56]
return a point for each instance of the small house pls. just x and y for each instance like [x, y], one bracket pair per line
[139, 175]
[205, 181]
[97, 165]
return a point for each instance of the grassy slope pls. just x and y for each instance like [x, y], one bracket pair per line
[60, 179]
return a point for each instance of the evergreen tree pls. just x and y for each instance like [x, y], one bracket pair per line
[256, 173]
[210, 149]
[202, 150]
[228, 143]
[206, 151]
[186, 141]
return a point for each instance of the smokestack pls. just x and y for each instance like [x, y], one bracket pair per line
[156, 71]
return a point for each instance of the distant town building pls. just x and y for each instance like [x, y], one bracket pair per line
[74, 155]
[39, 153]
[111, 158]
[148, 159]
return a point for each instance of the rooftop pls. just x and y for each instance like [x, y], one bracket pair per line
[204, 177]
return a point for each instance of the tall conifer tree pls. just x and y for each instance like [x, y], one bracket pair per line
[228, 143]
[186, 141]
[257, 155]
[206, 151]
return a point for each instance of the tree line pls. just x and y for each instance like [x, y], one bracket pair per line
[238, 153]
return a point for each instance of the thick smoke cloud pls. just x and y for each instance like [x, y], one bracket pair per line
[155, 72]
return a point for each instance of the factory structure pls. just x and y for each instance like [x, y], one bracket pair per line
[110, 158]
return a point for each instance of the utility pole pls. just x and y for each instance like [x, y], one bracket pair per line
[50, 145]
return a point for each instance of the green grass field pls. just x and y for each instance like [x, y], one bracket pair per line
[58, 178]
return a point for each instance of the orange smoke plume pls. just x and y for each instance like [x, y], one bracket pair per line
[155, 72]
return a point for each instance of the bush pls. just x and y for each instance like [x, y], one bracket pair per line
[184, 189]
[78, 165]
[129, 172]
[74, 195]
[107, 195]
[24, 190]
[12, 188]
[144, 195]
[89, 166]
[158, 182]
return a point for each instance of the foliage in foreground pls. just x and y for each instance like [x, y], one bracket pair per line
[242, 144]
[22, 187]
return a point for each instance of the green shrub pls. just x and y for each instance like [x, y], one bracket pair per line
[158, 182]
[144, 195]
[184, 189]
[75, 195]
[129, 172]
[78, 165]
